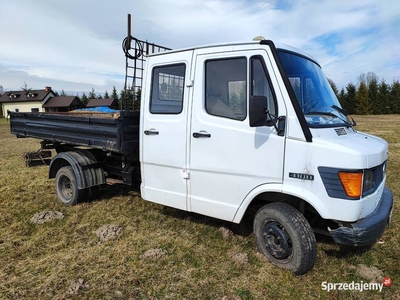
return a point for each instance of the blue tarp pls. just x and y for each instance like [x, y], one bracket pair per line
[103, 109]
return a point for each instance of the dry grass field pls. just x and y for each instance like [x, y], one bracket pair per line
[157, 252]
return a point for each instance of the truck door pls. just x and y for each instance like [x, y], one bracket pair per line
[228, 158]
[164, 130]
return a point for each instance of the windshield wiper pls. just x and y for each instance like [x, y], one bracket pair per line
[341, 110]
[346, 122]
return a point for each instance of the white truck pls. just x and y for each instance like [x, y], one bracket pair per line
[227, 129]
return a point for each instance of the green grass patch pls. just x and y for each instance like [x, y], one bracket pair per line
[44, 261]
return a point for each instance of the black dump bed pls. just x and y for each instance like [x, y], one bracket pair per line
[116, 132]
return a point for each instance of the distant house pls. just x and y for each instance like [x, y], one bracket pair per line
[25, 101]
[62, 104]
[108, 102]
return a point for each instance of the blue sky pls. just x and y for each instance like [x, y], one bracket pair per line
[76, 45]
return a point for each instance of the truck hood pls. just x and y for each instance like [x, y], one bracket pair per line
[357, 149]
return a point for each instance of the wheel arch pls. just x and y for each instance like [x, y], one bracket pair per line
[84, 164]
[300, 199]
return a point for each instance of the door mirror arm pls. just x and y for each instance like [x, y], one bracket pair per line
[279, 123]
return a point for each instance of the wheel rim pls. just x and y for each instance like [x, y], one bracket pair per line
[277, 241]
[65, 188]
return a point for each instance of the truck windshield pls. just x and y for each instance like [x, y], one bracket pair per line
[317, 100]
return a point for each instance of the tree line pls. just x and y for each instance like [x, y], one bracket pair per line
[370, 96]
[124, 98]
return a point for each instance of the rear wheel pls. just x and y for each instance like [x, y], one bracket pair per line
[285, 237]
[66, 188]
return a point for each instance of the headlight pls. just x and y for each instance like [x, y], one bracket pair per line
[368, 180]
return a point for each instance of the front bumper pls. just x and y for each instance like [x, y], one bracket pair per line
[368, 230]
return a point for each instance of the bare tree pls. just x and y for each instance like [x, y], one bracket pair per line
[367, 78]
[333, 86]
[25, 87]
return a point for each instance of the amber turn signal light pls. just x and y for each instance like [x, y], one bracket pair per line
[352, 183]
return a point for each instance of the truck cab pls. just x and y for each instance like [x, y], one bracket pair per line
[232, 127]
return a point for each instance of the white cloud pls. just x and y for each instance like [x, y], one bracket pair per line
[78, 43]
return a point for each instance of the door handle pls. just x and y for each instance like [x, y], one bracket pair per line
[151, 132]
[201, 135]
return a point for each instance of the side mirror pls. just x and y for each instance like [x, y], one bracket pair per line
[260, 115]
[257, 111]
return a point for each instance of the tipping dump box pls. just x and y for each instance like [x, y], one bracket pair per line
[116, 132]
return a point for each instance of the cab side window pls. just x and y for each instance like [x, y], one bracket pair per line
[261, 85]
[167, 89]
[226, 88]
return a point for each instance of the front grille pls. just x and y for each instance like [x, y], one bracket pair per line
[378, 175]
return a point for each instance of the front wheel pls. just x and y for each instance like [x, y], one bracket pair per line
[285, 237]
[66, 188]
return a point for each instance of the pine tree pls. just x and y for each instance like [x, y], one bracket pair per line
[363, 106]
[63, 93]
[106, 95]
[373, 96]
[84, 99]
[350, 103]
[114, 93]
[126, 100]
[92, 94]
[394, 98]
[383, 96]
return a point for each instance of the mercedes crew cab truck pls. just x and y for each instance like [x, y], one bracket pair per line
[228, 129]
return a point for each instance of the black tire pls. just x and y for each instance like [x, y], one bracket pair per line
[285, 237]
[66, 188]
